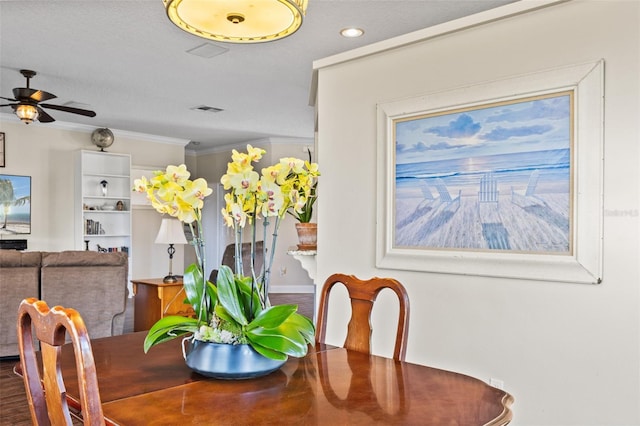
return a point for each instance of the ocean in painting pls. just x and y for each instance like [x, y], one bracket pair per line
[445, 204]
[17, 218]
[508, 168]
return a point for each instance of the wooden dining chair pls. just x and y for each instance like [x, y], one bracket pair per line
[362, 294]
[46, 393]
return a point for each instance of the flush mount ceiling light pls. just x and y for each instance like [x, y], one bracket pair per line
[237, 21]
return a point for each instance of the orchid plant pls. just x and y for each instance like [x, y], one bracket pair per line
[236, 309]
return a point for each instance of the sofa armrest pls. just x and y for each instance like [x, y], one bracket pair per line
[19, 279]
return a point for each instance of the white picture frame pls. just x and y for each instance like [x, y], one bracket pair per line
[581, 264]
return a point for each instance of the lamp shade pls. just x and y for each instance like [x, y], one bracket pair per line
[171, 232]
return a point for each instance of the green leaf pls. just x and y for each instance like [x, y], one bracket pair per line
[282, 339]
[193, 282]
[250, 299]
[268, 353]
[168, 328]
[272, 317]
[304, 326]
[228, 295]
[212, 293]
[223, 314]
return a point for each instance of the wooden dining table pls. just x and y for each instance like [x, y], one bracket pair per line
[330, 385]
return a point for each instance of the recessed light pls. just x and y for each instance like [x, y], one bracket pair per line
[351, 32]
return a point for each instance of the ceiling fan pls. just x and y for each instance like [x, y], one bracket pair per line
[27, 104]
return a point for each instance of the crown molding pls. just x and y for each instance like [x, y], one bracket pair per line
[84, 128]
[254, 142]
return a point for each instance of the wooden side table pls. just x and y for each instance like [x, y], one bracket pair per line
[155, 299]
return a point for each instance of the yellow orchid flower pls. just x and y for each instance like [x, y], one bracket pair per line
[239, 216]
[185, 211]
[140, 185]
[255, 154]
[245, 182]
[271, 173]
[312, 168]
[273, 199]
[228, 219]
[194, 193]
[177, 174]
[291, 164]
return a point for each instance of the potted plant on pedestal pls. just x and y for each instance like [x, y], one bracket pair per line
[234, 318]
[305, 197]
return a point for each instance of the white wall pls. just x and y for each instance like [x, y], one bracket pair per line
[569, 353]
[46, 153]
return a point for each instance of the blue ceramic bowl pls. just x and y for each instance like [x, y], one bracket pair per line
[232, 362]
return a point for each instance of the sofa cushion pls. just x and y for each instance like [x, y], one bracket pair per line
[95, 284]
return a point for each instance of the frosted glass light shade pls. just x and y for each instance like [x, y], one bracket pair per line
[27, 113]
[237, 21]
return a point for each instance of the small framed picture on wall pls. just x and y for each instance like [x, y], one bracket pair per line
[1, 149]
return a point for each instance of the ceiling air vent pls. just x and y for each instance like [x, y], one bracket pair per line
[207, 108]
[207, 50]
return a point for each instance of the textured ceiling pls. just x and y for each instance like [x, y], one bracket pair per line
[128, 62]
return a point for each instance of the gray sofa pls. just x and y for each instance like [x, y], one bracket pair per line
[95, 284]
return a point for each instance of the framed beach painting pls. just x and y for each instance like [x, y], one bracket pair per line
[492, 179]
[15, 205]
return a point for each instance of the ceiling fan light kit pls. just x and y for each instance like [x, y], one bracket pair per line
[237, 21]
[27, 104]
[27, 113]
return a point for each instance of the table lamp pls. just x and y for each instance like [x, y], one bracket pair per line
[171, 232]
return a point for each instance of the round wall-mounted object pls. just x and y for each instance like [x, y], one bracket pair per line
[102, 138]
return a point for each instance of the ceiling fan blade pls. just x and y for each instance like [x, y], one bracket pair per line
[41, 95]
[21, 93]
[43, 117]
[9, 99]
[72, 110]
[11, 105]
[24, 93]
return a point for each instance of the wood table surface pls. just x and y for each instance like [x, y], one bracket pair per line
[329, 386]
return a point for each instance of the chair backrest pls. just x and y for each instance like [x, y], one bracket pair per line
[442, 190]
[488, 189]
[229, 255]
[362, 294]
[49, 405]
[533, 182]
